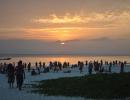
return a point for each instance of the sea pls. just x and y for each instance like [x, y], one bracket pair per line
[72, 59]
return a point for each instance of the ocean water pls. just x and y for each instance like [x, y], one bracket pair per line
[62, 58]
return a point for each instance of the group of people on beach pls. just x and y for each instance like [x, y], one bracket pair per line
[17, 73]
[14, 73]
[98, 66]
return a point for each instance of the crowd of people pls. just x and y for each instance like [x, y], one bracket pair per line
[17, 72]
[14, 73]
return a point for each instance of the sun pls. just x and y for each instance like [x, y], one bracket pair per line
[62, 43]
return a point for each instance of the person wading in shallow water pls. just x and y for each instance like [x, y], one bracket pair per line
[122, 67]
[20, 75]
[11, 75]
[90, 68]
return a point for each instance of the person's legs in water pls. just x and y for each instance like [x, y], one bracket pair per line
[9, 81]
[17, 81]
[20, 83]
[12, 83]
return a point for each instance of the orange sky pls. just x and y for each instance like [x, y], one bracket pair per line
[65, 20]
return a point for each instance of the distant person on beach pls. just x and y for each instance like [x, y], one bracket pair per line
[4, 68]
[81, 65]
[125, 62]
[40, 64]
[90, 67]
[43, 65]
[20, 75]
[122, 67]
[33, 72]
[110, 65]
[29, 67]
[1, 68]
[86, 63]
[36, 64]
[101, 63]
[38, 69]
[11, 75]
[96, 66]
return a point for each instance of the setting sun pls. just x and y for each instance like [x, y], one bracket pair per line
[62, 43]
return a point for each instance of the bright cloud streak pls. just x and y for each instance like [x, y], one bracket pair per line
[63, 19]
[123, 17]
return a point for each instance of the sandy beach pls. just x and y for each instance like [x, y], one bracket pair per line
[15, 94]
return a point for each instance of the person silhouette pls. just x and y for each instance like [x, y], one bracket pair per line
[122, 67]
[90, 67]
[20, 75]
[11, 75]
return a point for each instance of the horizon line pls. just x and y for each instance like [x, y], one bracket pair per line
[42, 54]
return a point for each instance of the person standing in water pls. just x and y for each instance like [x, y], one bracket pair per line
[90, 67]
[20, 75]
[110, 65]
[122, 67]
[81, 65]
[11, 75]
[29, 67]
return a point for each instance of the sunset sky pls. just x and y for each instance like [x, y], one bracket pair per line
[91, 27]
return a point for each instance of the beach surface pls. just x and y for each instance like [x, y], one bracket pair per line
[14, 94]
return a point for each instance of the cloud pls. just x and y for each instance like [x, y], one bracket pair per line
[60, 20]
[92, 18]
[100, 39]
[107, 39]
